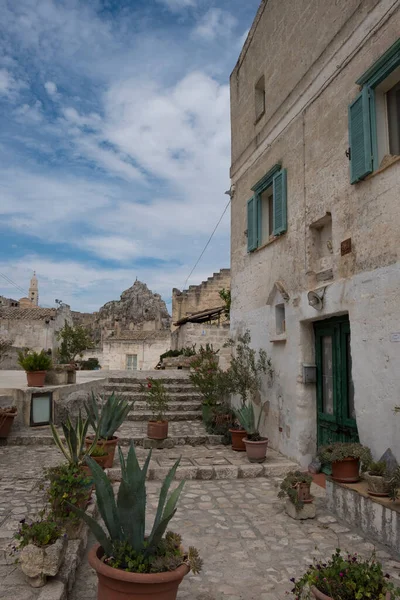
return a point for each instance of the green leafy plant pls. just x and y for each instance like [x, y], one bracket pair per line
[32, 361]
[340, 450]
[290, 487]
[90, 364]
[206, 376]
[187, 351]
[106, 416]
[246, 417]
[74, 448]
[156, 398]
[225, 295]
[347, 577]
[124, 540]
[67, 485]
[98, 451]
[219, 421]
[42, 532]
[378, 469]
[75, 339]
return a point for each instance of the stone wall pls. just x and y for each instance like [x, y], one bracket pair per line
[200, 297]
[200, 334]
[311, 55]
[113, 356]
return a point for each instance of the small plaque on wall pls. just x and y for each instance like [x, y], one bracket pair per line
[345, 247]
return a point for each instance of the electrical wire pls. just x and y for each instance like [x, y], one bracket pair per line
[206, 246]
[13, 283]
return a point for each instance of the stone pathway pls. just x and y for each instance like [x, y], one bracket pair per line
[250, 547]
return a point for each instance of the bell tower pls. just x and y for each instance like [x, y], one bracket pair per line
[34, 290]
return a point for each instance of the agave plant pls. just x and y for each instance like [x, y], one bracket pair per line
[246, 417]
[108, 416]
[125, 516]
[74, 446]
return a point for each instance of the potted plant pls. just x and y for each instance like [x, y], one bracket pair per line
[35, 364]
[208, 379]
[345, 458]
[7, 416]
[130, 564]
[296, 486]
[99, 455]
[256, 446]
[157, 401]
[245, 379]
[348, 577]
[378, 479]
[41, 545]
[105, 417]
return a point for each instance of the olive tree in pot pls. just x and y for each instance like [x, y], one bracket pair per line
[157, 401]
[256, 446]
[348, 577]
[245, 379]
[35, 364]
[345, 458]
[131, 565]
[105, 417]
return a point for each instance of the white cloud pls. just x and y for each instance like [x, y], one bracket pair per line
[51, 88]
[215, 23]
[175, 5]
[29, 114]
[9, 86]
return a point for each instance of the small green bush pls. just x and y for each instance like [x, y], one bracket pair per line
[43, 532]
[32, 361]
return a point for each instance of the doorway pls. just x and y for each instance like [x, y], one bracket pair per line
[336, 417]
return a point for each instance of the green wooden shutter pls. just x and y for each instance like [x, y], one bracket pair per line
[360, 136]
[279, 195]
[252, 224]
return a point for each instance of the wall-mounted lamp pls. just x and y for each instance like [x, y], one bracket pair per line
[315, 300]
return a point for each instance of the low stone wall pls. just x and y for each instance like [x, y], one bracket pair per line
[379, 519]
[202, 334]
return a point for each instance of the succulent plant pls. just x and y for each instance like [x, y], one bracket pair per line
[246, 417]
[341, 450]
[290, 486]
[74, 447]
[107, 416]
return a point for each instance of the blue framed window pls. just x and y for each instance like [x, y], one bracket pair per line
[267, 209]
[374, 116]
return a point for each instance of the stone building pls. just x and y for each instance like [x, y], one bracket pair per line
[315, 114]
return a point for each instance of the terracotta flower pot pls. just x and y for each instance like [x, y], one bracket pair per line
[100, 460]
[237, 439]
[35, 378]
[320, 596]
[377, 485]
[256, 451]
[109, 446]
[346, 470]
[157, 430]
[115, 584]
[303, 493]
[6, 422]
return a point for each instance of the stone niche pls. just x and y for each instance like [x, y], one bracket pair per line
[321, 248]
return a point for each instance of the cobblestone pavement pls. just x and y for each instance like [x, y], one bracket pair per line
[250, 547]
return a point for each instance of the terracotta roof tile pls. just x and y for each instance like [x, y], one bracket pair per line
[27, 314]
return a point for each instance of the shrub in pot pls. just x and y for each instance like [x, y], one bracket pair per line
[157, 401]
[296, 487]
[348, 577]
[41, 545]
[256, 446]
[245, 378]
[105, 417]
[130, 564]
[207, 377]
[35, 364]
[346, 459]
[377, 478]
[7, 416]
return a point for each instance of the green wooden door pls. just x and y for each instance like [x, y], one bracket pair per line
[336, 419]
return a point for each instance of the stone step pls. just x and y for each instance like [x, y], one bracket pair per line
[135, 387]
[173, 406]
[167, 381]
[146, 415]
[176, 397]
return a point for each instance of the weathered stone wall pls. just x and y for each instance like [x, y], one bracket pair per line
[200, 334]
[148, 353]
[311, 62]
[200, 297]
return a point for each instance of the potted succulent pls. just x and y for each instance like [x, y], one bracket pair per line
[256, 446]
[378, 479]
[35, 364]
[348, 577]
[157, 401]
[105, 417]
[296, 486]
[345, 458]
[245, 378]
[130, 564]
[7, 416]
[99, 455]
[41, 545]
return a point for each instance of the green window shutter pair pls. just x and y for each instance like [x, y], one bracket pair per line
[254, 212]
[360, 135]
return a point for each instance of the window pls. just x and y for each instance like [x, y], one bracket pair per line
[266, 210]
[374, 116]
[260, 97]
[131, 362]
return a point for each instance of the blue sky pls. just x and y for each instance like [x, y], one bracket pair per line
[114, 143]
